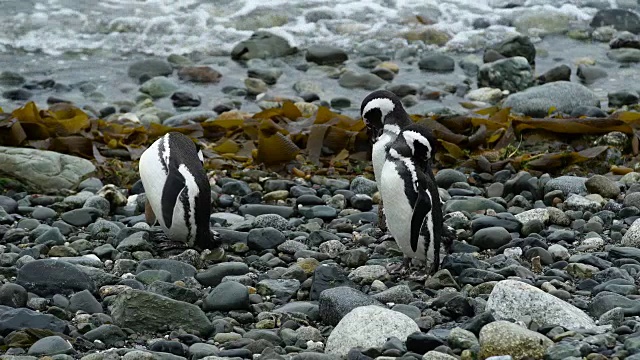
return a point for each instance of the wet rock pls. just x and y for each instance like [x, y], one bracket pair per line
[621, 20]
[262, 45]
[149, 68]
[512, 74]
[199, 74]
[563, 95]
[352, 80]
[517, 46]
[326, 55]
[623, 97]
[437, 63]
[589, 74]
[558, 73]
[624, 55]
[158, 87]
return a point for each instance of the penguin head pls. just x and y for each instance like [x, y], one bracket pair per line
[419, 141]
[382, 108]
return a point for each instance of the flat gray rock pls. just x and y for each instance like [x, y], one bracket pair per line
[563, 95]
[147, 312]
[48, 171]
[512, 299]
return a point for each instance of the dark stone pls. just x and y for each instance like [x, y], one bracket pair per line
[337, 302]
[326, 55]
[50, 277]
[437, 63]
[327, 276]
[620, 19]
[19, 319]
[517, 46]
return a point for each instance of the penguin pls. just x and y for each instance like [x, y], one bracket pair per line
[413, 208]
[384, 116]
[178, 190]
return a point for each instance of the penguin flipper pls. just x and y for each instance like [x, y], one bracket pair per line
[420, 210]
[172, 187]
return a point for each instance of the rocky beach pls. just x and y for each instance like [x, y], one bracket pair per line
[536, 108]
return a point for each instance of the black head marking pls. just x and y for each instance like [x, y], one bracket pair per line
[419, 141]
[380, 108]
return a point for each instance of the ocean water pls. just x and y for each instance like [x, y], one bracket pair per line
[163, 27]
[75, 42]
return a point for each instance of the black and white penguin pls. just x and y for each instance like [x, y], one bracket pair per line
[412, 204]
[178, 190]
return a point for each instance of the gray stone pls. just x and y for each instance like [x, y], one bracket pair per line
[563, 95]
[49, 277]
[599, 184]
[624, 55]
[491, 238]
[621, 20]
[326, 55]
[13, 295]
[517, 45]
[511, 299]
[336, 302]
[513, 74]
[110, 335]
[437, 63]
[503, 337]
[214, 275]
[622, 97]
[352, 80]
[20, 319]
[567, 184]
[367, 327]
[159, 87]
[472, 204]
[86, 302]
[229, 295]
[147, 312]
[283, 289]
[589, 74]
[150, 68]
[262, 44]
[45, 170]
[178, 269]
[50, 345]
[632, 237]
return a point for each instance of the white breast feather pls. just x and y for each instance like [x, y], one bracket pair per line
[153, 178]
[192, 188]
[398, 210]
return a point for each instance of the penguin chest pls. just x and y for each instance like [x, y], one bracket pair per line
[397, 209]
[153, 174]
[379, 155]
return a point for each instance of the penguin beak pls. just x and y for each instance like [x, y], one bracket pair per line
[374, 133]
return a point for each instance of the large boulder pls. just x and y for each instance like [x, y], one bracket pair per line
[512, 299]
[367, 327]
[147, 312]
[563, 95]
[44, 170]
